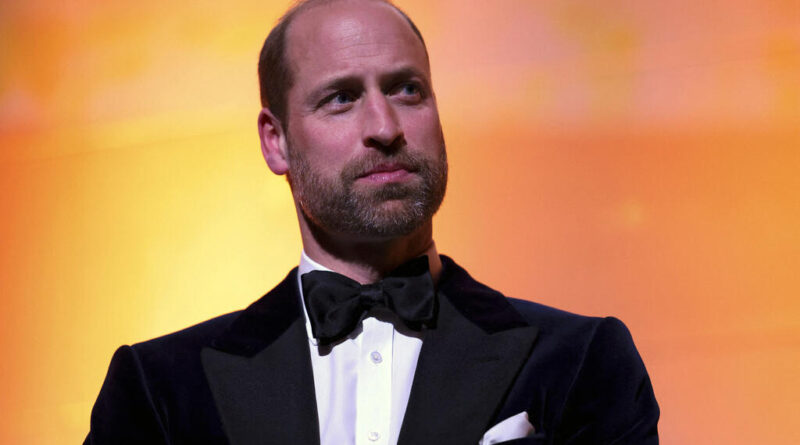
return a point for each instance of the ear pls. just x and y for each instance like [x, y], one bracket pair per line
[273, 142]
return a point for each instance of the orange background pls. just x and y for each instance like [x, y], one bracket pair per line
[634, 158]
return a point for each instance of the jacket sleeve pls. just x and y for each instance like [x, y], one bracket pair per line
[611, 400]
[124, 413]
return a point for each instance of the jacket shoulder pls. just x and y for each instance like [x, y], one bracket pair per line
[187, 341]
[547, 316]
[155, 391]
[493, 311]
[597, 386]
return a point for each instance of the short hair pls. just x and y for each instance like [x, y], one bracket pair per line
[275, 76]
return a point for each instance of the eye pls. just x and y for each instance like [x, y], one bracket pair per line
[410, 89]
[338, 101]
[409, 92]
[341, 98]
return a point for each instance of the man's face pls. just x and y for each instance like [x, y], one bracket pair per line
[365, 146]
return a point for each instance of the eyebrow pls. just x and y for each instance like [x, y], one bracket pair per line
[404, 73]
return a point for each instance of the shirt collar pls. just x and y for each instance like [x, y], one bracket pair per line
[307, 265]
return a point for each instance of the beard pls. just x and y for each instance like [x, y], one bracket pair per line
[382, 211]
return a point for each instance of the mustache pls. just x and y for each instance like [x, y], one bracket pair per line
[376, 161]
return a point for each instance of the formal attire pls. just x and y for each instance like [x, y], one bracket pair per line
[487, 362]
[362, 382]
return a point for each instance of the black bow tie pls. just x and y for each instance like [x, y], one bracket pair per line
[336, 303]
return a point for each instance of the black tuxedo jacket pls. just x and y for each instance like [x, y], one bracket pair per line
[245, 377]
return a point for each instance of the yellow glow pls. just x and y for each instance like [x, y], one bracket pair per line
[638, 159]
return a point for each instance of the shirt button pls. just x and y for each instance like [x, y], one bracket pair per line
[376, 358]
[373, 436]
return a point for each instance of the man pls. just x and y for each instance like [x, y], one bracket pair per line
[400, 345]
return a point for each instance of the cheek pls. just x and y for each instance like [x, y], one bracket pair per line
[423, 129]
[323, 143]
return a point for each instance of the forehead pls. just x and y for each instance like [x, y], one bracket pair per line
[346, 35]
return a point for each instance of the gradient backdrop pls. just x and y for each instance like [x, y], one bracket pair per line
[634, 158]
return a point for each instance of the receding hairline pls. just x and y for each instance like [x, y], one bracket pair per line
[276, 66]
[305, 6]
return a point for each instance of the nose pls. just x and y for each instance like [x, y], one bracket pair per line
[382, 128]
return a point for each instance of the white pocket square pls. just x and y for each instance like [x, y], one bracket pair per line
[514, 427]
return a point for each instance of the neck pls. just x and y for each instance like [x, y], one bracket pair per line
[367, 261]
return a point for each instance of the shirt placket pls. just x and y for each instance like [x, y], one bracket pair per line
[374, 387]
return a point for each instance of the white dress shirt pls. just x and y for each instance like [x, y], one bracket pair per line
[363, 382]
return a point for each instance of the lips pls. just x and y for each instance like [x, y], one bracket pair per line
[387, 172]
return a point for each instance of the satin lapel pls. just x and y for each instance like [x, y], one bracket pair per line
[462, 377]
[260, 373]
